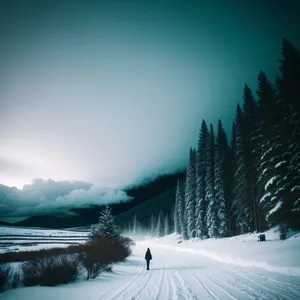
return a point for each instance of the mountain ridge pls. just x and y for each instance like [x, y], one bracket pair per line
[148, 191]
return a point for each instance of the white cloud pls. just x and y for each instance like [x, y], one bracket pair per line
[49, 196]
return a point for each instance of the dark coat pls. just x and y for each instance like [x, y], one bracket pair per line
[148, 255]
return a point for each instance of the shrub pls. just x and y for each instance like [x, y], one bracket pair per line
[50, 271]
[90, 264]
[61, 265]
[123, 242]
[30, 255]
[5, 272]
[97, 256]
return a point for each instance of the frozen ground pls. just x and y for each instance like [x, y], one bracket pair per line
[30, 239]
[24, 231]
[212, 269]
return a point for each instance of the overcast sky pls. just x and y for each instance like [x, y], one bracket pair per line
[108, 92]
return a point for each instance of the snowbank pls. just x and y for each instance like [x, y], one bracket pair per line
[244, 250]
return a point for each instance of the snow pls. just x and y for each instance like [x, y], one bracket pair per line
[264, 197]
[231, 268]
[244, 250]
[279, 191]
[10, 230]
[29, 239]
[275, 208]
[266, 153]
[278, 165]
[295, 188]
[271, 181]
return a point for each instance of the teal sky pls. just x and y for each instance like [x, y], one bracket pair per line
[109, 92]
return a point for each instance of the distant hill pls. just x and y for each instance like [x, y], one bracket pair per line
[47, 221]
[159, 192]
[140, 194]
[4, 223]
[143, 212]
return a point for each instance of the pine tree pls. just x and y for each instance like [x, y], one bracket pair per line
[178, 211]
[190, 195]
[181, 210]
[184, 224]
[240, 200]
[251, 152]
[167, 225]
[289, 79]
[160, 225]
[201, 202]
[152, 225]
[106, 226]
[184, 230]
[232, 207]
[226, 155]
[212, 209]
[270, 149]
[288, 85]
[171, 219]
[135, 225]
[219, 180]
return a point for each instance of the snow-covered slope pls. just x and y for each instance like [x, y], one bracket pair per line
[244, 250]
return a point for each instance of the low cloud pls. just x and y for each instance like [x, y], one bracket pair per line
[55, 197]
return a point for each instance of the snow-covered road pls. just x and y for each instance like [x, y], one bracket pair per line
[173, 275]
[177, 275]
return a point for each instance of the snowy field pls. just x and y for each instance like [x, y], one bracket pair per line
[30, 239]
[233, 268]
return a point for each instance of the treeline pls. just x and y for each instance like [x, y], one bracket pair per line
[159, 225]
[253, 182]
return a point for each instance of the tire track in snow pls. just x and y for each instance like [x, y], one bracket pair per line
[271, 292]
[183, 290]
[228, 283]
[291, 287]
[250, 291]
[171, 284]
[161, 280]
[119, 291]
[210, 293]
[165, 284]
[152, 288]
[219, 287]
[206, 288]
[132, 290]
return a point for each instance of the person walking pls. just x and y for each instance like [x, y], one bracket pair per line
[148, 257]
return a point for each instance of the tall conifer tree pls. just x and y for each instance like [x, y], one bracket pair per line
[221, 152]
[190, 194]
[212, 208]
[201, 201]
